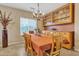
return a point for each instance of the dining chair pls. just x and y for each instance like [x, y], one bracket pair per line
[28, 45]
[25, 40]
[55, 48]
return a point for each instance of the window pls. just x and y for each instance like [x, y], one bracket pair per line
[27, 25]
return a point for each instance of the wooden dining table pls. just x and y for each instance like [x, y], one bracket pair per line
[41, 43]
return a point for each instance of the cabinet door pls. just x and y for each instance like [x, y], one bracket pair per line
[67, 40]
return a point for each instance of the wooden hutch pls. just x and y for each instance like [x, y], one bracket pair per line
[62, 20]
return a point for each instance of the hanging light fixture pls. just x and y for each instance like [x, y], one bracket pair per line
[37, 13]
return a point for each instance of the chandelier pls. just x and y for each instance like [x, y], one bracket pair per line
[37, 13]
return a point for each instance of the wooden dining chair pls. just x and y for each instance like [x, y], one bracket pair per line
[25, 40]
[55, 48]
[28, 45]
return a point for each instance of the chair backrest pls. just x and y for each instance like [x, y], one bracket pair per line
[24, 35]
[52, 48]
[56, 44]
[27, 40]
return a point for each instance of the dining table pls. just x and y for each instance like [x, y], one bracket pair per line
[41, 43]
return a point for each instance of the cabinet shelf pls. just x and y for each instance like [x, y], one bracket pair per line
[62, 15]
[61, 18]
[56, 24]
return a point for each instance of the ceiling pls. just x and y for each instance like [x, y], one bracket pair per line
[44, 7]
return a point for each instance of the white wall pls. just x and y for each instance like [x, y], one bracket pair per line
[77, 27]
[14, 28]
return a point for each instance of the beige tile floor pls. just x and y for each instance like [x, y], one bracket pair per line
[65, 52]
[13, 50]
[18, 50]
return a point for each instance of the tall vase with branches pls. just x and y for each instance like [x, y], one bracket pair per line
[4, 20]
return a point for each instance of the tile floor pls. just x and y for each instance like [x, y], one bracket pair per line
[65, 52]
[13, 50]
[18, 50]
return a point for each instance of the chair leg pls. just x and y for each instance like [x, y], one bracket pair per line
[57, 54]
[29, 52]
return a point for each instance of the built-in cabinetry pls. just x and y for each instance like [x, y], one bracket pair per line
[62, 20]
[62, 15]
[66, 38]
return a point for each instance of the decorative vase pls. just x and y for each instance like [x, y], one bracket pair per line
[4, 38]
[4, 20]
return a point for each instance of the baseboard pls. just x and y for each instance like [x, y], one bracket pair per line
[13, 43]
[0, 45]
[76, 50]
